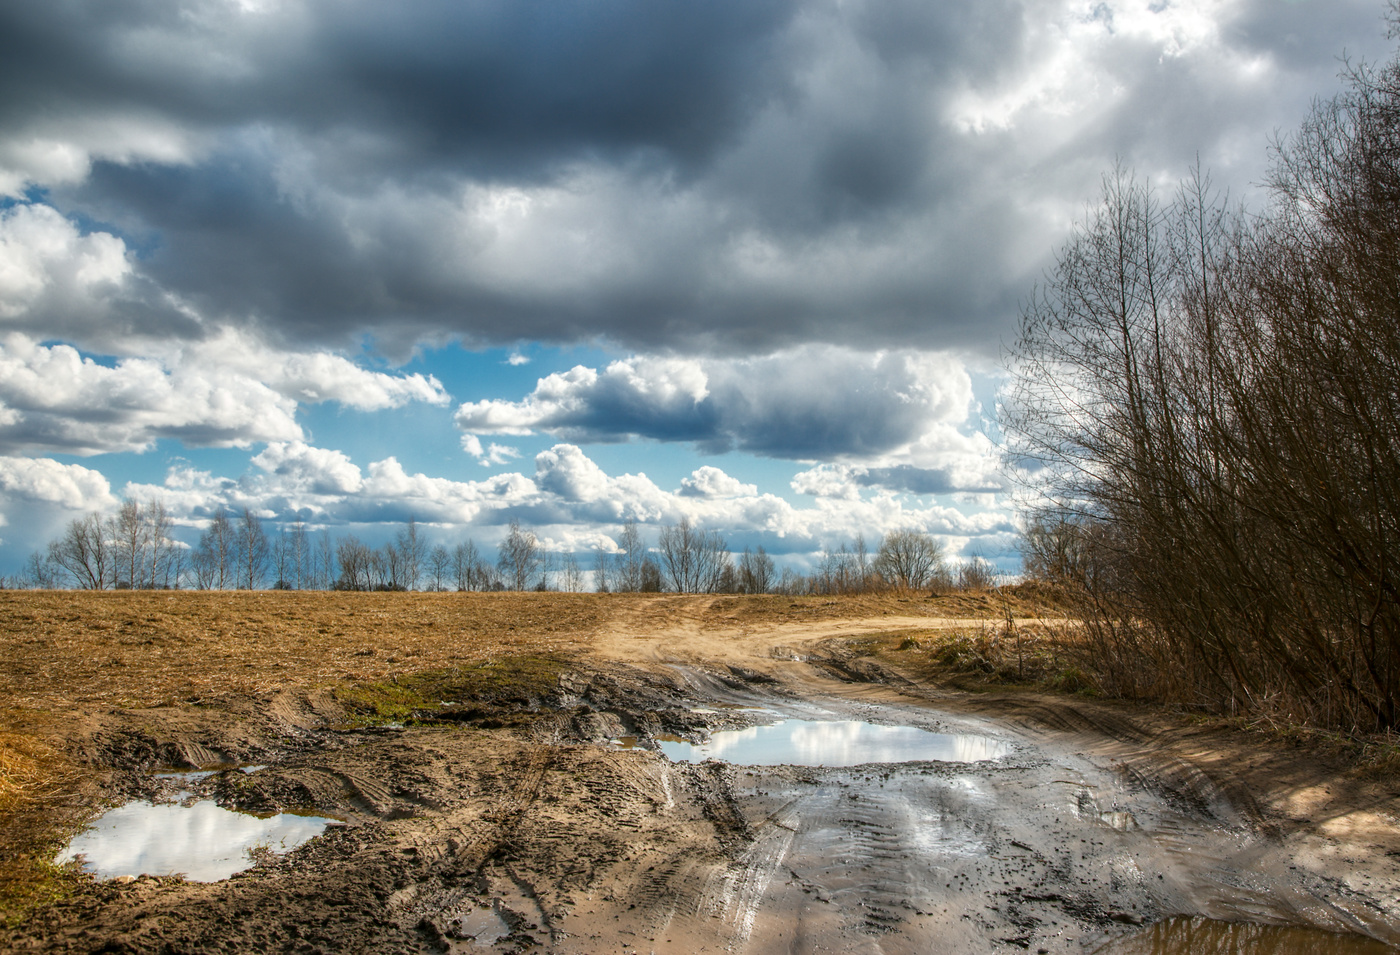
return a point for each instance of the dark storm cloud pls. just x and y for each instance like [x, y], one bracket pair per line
[534, 80]
[738, 176]
[505, 81]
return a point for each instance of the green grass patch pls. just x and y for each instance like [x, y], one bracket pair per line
[516, 681]
[29, 883]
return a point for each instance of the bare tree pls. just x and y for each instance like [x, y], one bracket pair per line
[1210, 403]
[651, 576]
[909, 558]
[756, 571]
[394, 560]
[467, 570]
[861, 564]
[216, 556]
[412, 555]
[130, 532]
[282, 560]
[324, 561]
[353, 557]
[570, 574]
[167, 556]
[204, 569]
[976, 573]
[41, 572]
[693, 560]
[175, 567]
[602, 572]
[377, 566]
[790, 582]
[627, 576]
[520, 557]
[84, 553]
[251, 546]
[439, 567]
[301, 570]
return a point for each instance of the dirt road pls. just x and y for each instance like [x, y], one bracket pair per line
[545, 820]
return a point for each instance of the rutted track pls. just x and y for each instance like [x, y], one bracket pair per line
[1094, 824]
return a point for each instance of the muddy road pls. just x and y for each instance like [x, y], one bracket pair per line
[552, 820]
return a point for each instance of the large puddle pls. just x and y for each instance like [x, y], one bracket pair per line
[202, 840]
[1200, 936]
[834, 743]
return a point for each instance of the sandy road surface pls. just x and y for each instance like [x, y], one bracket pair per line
[520, 827]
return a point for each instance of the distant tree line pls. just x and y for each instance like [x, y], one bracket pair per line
[1212, 401]
[131, 549]
[134, 549]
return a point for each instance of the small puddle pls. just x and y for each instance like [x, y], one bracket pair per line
[1122, 820]
[195, 775]
[1201, 936]
[484, 927]
[203, 841]
[190, 775]
[834, 743]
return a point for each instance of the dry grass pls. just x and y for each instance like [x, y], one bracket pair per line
[61, 649]
[1045, 655]
[1055, 657]
[1021, 600]
[66, 651]
[144, 649]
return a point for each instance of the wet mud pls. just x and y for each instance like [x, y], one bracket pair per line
[558, 824]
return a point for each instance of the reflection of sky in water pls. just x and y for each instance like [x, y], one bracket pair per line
[204, 841]
[483, 926]
[835, 743]
[942, 835]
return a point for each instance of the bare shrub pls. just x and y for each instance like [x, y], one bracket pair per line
[1210, 403]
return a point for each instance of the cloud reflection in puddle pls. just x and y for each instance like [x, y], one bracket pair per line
[202, 840]
[835, 743]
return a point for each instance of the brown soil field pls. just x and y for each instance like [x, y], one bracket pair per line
[468, 746]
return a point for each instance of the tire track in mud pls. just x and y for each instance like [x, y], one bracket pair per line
[437, 899]
[599, 844]
[734, 892]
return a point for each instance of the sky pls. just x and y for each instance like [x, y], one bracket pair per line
[748, 262]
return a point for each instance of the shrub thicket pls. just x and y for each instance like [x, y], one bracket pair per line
[1211, 403]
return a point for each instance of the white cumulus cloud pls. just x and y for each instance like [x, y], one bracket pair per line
[45, 481]
[570, 500]
[226, 392]
[46, 260]
[710, 481]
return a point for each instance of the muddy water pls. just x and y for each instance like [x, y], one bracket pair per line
[1198, 936]
[981, 842]
[834, 743]
[480, 928]
[201, 840]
